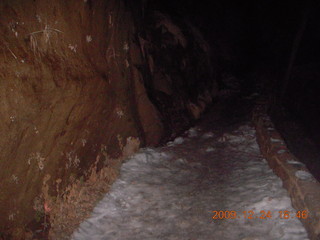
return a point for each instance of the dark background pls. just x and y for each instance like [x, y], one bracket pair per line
[254, 41]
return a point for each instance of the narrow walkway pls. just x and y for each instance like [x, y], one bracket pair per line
[176, 191]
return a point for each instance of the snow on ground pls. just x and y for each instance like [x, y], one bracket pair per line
[172, 192]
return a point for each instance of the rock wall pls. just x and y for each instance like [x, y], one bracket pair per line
[303, 188]
[82, 86]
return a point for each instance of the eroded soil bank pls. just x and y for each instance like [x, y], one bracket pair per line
[84, 84]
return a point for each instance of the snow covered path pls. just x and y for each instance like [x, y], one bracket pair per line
[171, 193]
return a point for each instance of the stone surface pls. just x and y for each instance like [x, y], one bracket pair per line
[304, 191]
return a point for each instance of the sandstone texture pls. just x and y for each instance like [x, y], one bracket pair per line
[84, 84]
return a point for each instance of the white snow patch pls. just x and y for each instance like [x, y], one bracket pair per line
[282, 151]
[303, 175]
[293, 162]
[181, 161]
[170, 144]
[275, 140]
[192, 132]
[208, 135]
[178, 140]
[210, 149]
[162, 195]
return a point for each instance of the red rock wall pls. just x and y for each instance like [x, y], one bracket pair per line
[83, 83]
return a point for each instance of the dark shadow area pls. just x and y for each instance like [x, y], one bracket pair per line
[270, 47]
[299, 140]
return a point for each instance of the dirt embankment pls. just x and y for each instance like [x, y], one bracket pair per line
[82, 86]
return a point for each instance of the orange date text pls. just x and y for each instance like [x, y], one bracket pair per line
[251, 214]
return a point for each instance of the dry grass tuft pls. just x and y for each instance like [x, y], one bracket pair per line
[77, 201]
[46, 35]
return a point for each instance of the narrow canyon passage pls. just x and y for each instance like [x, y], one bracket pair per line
[211, 183]
[153, 107]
